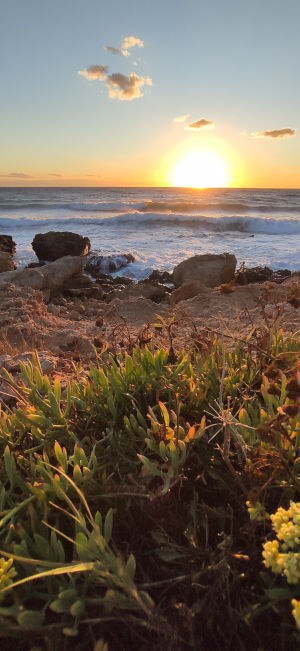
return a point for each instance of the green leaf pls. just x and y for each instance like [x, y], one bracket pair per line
[131, 566]
[59, 606]
[77, 608]
[10, 466]
[165, 413]
[30, 619]
[108, 523]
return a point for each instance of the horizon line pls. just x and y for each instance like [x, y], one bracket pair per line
[139, 187]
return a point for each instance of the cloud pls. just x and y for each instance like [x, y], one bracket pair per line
[201, 124]
[128, 43]
[18, 175]
[90, 174]
[53, 174]
[121, 86]
[276, 133]
[126, 88]
[112, 50]
[181, 118]
[94, 72]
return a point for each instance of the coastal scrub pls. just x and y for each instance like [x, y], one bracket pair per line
[125, 496]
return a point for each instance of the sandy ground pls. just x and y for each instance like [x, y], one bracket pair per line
[67, 329]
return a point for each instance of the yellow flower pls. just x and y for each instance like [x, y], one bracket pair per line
[296, 611]
[272, 558]
[7, 572]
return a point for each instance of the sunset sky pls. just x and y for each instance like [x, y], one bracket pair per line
[120, 93]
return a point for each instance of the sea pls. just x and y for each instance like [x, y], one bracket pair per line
[160, 227]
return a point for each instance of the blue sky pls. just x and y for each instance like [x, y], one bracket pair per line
[234, 63]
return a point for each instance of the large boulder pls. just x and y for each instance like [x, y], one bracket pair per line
[53, 245]
[56, 273]
[210, 269]
[6, 262]
[7, 244]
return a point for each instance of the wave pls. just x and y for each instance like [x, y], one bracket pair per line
[232, 223]
[99, 206]
[149, 206]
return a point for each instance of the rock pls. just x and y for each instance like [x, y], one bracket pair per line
[78, 282]
[280, 275]
[95, 291]
[212, 270]
[53, 309]
[161, 276]
[53, 245]
[35, 265]
[260, 275]
[154, 291]
[7, 245]
[50, 276]
[6, 262]
[188, 290]
[253, 275]
[99, 264]
[23, 278]
[57, 273]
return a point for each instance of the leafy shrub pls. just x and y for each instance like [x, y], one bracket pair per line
[124, 495]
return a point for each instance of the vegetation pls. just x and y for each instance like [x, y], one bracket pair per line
[135, 500]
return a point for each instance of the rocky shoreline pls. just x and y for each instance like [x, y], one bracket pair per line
[66, 313]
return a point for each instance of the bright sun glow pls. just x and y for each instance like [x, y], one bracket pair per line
[200, 169]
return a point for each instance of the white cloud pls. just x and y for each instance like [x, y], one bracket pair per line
[275, 133]
[53, 174]
[126, 87]
[181, 118]
[94, 72]
[201, 124]
[129, 42]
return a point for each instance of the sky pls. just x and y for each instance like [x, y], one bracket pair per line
[119, 93]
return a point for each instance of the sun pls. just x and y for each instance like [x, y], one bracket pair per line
[200, 169]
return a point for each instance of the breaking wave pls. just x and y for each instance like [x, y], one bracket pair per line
[233, 223]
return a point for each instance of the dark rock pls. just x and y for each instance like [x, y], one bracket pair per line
[154, 291]
[110, 281]
[280, 275]
[253, 275]
[260, 275]
[95, 291]
[34, 265]
[161, 276]
[99, 264]
[122, 280]
[7, 245]
[78, 282]
[53, 245]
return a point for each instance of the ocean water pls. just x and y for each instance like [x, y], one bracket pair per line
[160, 226]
